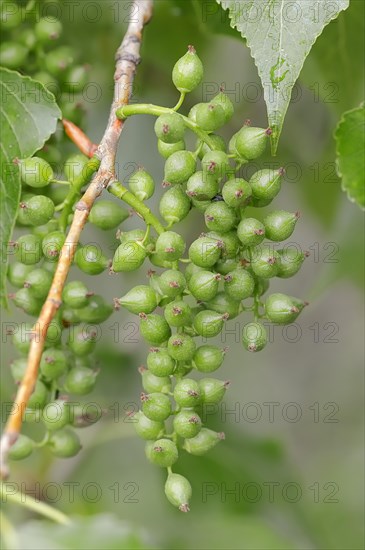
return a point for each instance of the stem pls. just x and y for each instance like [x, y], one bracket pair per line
[8, 533]
[29, 502]
[180, 102]
[118, 190]
[60, 182]
[149, 109]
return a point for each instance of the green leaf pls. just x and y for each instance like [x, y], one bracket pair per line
[280, 35]
[28, 116]
[350, 138]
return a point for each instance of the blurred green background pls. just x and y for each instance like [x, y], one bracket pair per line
[290, 472]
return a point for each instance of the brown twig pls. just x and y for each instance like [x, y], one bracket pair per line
[79, 138]
[127, 59]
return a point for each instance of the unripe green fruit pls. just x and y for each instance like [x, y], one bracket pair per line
[251, 232]
[38, 282]
[21, 216]
[42, 230]
[188, 71]
[48, 28]
[75, 294]
[239, 284]
[172, 283]
[205, 251]
[56, 415]
[154, 329]
[187, 393]
[76, 79]
[208, 323]
[39, 397]
[107, 215]
[81, 342]
[17, 272]
[96, 311]
[266, 184]
[162, 452]
[212, 390]
[12, 55]
[251, 142]
[39, 210]
[265, 262]
[231, 243]
[52, 86]
[181, 347]
[208, 358]
[283, 309]
[203, 442]
[216, 163]
[52, 245]
[261, 285]
[26, 301]
[146, 428]
[18, 368]
[58, 61]
[28, 249]
[236, 192]
[279, 225]
[170, 128]
[156, 406]
[160, 363]
[72, 110]
[220, 217]
[178, 314]
[225, 266]
[178, 491]
[91, 260]
[28, 38]
[35, 172]
[10, 15]
[223, 100]
[136, 235]
[142, 184]
[141, 299]
[224, 304]
[129, 256]
[64, 443]
[167, 149]
[254, 337]
[156, 260]
[193, 111]
[74, 167]
[22, 337]
[22, 448]
[202, 186]
[204, 285]
[80, 380]
[291, 261]
[201, 206]
[53, 363]
[174, 205]
[191, 269]
[179, 167]
[210, 116]
[54, 333]
[187, 424]
[170, 246]
[83, 415]
[153, 384]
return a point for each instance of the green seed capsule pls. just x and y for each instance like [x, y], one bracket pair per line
[81, 341]
[204, 285]
[239, 284]
[76, 79]
[172, 283]
[279, 225]
[254, 337]
[216, 163]
[160, 362]
[210, 116]
[28, 38]
[181, 347]
[236, 192]
[74, 167]
[193, 111]
[231, 243]
[75, 294]
[167, 149]
[190, 270]
[56, 415]
[224, 304]
[203, 442]
[129, 256]
[80, 381]
[201, 186]
[52, 245]
[107, 215]
[54, 333]
[170, 128]
[12, 55]
[178, 491]
[265, 262]
[178, 314]
[187, 393]
[212, 390]
[53, 364]
[251, 142]
[83, 415]
[39, 397]
[188, 71]
[142, 184]
[22, 448]
[251, 232]
[162, 452]
[156, 406]
[220, 217]
[225, 266]
[266, 184]
[170, 246]
[154, 329]
[28, 249]
[96, 311]
[179, 167]
[187, 424]
[146, 428]
[141, 299]
[205, 251]
[208, 323]
[59, 61]
[38, 210]
[283, 309]
[218, 141]
[91, 260]
[261, 285]
[26, 301]
[22, 337]
[18, 368]
[208, 358]
[291, 261]
[174, 205]
[48, 28]
[42, 230]
[11, 15]
[35, 172]
[135, 235]
[153, 384]
[38, 282]
[223, 100]
[64, 443]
